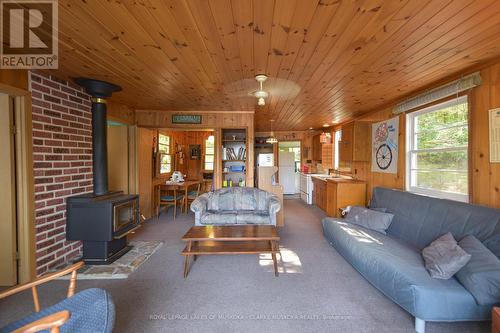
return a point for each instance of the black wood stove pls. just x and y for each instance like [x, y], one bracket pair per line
[102, 219]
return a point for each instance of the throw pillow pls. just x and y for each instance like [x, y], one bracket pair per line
[369, 218]
[443, 257]
[481, 275]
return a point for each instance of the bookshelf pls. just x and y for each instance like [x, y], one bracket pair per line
[234, 156]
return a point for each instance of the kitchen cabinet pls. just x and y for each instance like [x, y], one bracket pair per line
[316, 148]
[331, 194]
[327, 156]
[354, 145]
[319, 193]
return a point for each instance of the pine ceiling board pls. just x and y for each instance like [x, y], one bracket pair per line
[222, 13]
[183, 27]
[465, 23]
[340, 91]
[263, 11]
[187, 23]
[157, 20]
[93, 52]
[155, 57]
[296, 55]
[109, 44]
[243, 16]
[465, 40]
[360, 26]
[346, 61]
[387, 48]
[302, 19]
[283, 16]
[202, 15]
[357, 57]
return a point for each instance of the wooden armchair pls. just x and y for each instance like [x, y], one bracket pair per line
[495, 320]
[90, 303]
[53, 321]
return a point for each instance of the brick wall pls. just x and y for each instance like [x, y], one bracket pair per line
[62, 157]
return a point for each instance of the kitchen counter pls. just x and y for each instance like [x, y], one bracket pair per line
[332, 193]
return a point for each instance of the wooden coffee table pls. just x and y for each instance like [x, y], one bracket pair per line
[244, 239]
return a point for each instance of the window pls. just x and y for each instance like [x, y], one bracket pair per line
[164, 152]
[338, 137]
[209, 152]
[437, 150]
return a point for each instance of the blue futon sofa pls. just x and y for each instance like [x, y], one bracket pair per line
[393, 262]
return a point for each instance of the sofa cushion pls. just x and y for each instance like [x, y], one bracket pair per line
[92, 311]
[443, 257]
[226, 200]
[397, 269]
[244, 199]
[369, 218]
[481, 275]
[212, 217]
[418, 220]
[252, 217]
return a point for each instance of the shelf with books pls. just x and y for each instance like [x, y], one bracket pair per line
[233, 156]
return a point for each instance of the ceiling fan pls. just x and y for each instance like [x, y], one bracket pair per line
[274, 87]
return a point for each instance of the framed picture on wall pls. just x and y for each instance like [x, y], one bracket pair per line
[195, 152]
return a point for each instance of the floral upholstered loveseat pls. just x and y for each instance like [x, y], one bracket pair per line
[236, 205]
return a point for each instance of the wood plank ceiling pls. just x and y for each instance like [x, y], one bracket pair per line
[348, 57]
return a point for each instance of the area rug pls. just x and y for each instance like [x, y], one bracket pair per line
[122, 267]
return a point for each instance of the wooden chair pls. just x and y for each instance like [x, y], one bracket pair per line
[495, 317]
[192, 192]
[168, 197]
[54, 321]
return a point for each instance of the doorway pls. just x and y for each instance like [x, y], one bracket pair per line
[289, 166]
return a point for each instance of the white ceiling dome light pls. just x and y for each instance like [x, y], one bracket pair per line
[260, 94]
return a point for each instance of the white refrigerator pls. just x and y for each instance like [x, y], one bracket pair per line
[287, 172]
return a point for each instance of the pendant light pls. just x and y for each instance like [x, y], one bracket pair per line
[272, 139]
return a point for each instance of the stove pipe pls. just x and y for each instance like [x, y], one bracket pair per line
[99, 90]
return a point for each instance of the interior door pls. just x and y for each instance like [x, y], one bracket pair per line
[8, 232]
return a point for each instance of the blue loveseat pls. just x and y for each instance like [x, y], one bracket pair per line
[393, 262]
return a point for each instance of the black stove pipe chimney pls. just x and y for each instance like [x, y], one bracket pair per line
[99, 90]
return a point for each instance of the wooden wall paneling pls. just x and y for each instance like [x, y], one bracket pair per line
[118, 158]
[494, 188]
[14, 81]
[480, 143]
[120, 113]
[145, 167]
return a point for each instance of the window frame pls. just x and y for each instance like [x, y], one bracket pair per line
[160, 154]
[410, 142]
[205, 154]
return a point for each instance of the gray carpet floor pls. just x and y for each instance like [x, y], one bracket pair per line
[317, 290]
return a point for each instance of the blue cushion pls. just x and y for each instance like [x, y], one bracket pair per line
[397, 269]
[92, 311]
[171, 197]
[369, 218]
[418, 220]
[481, 275]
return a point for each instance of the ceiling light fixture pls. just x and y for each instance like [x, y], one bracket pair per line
[261, 94]
[272, 139]
[325, 125]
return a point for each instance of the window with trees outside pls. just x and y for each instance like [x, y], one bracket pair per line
[437, 150]
[164, 151]
[209, 152]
